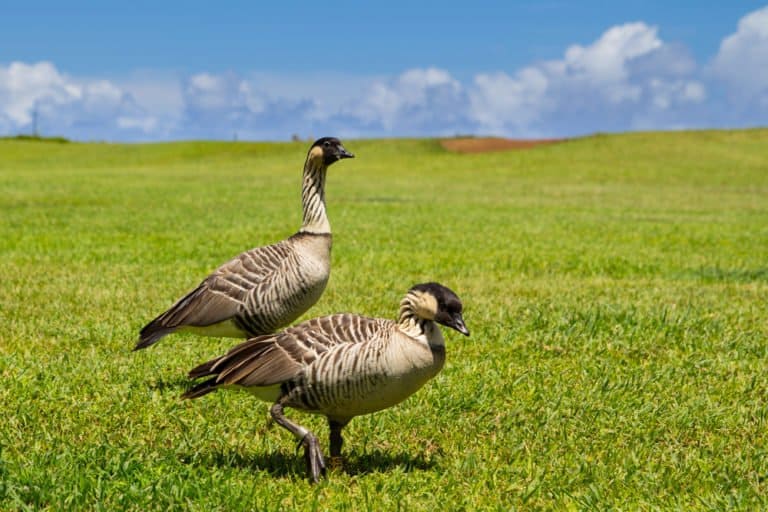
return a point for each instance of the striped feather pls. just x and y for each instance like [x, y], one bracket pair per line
[334, 362]
[340, 365]
[264, 288]
[269, 359]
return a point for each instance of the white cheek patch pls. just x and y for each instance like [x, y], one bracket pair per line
[426, 306]
[316, 153]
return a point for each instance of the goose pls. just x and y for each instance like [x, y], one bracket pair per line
[268, 287]
[339, 366]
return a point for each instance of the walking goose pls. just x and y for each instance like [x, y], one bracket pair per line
[340, 366]
[267, 287]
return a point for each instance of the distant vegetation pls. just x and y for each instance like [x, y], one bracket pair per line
[615, 287]
[37, 138]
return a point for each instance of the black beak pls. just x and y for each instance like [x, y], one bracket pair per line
[457, 322]
[343, 153]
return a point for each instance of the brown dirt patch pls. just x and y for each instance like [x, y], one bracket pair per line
[485, 144]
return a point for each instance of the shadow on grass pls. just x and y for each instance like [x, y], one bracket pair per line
[276, 463]
[282, 464]
[379, 461]
[174, 384]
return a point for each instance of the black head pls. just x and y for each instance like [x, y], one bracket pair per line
[330, 150]
[440, 304]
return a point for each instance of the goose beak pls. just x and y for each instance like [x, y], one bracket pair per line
[343, 153]
[458, 324]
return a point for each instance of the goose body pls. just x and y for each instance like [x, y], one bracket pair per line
[340, 366]
[268, 287]
[322, 358]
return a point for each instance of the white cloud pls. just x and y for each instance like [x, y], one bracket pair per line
[665, 94]
[742, 60]
[215, 93]
[64, 106]
[627, 78]
[23, 85]
[227, 105]
[498, 100]
[145, 124]
[628, 72]
[670, 60]
[417, 101]
[605, 60]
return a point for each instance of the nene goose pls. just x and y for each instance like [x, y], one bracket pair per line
[267, 287]
[340, 366]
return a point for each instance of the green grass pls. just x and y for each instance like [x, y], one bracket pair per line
[615, 287]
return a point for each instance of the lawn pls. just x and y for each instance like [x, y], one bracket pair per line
[616, 288]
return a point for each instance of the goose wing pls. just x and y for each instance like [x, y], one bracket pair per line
[273, 359]
[222, 294]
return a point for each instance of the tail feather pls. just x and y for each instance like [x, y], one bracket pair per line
[201, 389]
[203, 370]
[165, 323]
[199, 308]
[153, 332]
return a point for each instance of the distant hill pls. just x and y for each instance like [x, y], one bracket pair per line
[38, 138]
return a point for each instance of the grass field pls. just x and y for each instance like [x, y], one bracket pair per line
[615, 286]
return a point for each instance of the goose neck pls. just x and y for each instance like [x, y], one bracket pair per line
[314, 218]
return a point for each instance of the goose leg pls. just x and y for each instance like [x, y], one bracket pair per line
[336, 441]
[335, 438]
[312, 453]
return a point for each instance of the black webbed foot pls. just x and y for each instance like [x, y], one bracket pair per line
[313, 455]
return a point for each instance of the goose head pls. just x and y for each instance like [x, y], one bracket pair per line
[328, 150]
[433, 301]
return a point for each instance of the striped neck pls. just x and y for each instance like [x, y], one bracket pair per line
[313, 198]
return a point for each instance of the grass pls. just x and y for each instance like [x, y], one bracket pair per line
[615, 287]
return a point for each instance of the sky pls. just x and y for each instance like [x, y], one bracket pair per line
[153, 71]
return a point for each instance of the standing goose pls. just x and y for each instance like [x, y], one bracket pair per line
[340, 366]
[267, 287]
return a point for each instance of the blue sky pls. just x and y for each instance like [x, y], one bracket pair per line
[178, 70]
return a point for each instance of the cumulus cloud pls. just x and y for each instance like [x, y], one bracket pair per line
[742, 60]
[23, 85]
[499, 102]
[76, 108]
[627, 78]
[604, 62]
[670, 60]
[609, 84]
[417, 101]
[231, 106]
